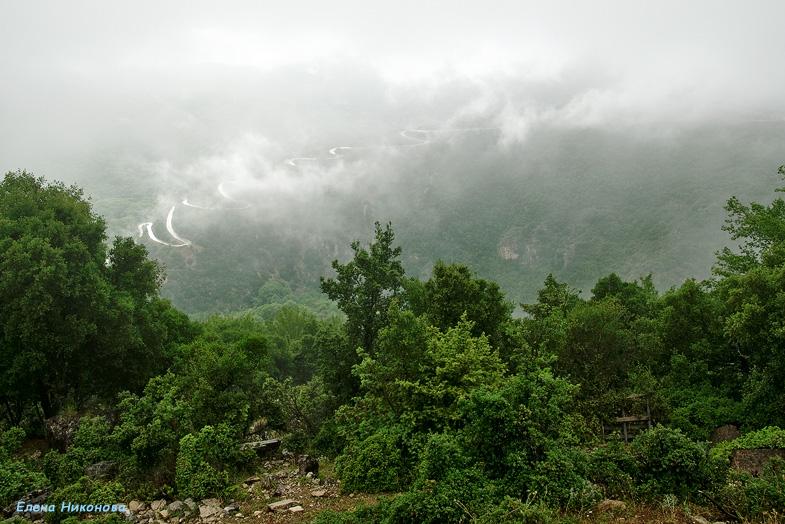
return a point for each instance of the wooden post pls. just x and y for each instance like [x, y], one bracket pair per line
[624, 425]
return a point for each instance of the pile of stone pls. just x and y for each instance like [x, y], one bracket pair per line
[286, 505]
[207, 510]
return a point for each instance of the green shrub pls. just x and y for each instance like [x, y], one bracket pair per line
[441, 453]
[92, 443]
[10, 441]
[460, 496]
[16, 476]
[85, 491]
[94, 434]
[151, 426]
[203, 461]
[704, 412]
[560, 480]
[670, 463]
[375, 464]
[770, 437]
[749, 496]
[328, 440]
[64, 468]
[362, 514]
[515, 511]
[613, 468]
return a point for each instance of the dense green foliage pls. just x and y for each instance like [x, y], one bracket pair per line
[76, 319]
[429, 391]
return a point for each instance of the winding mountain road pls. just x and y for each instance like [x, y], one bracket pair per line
[421, 137]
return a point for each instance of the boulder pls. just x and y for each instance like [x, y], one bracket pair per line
[158, 505]
[308, 464]
[60, 430]
[136, 506]
[261, 446]
[101, 470]
[190, 504]
[206, 511]
[175, 507]
[753, 461]
[723, 433]
[319, 493]
[281, 505]
[296, 509]
[611, 506]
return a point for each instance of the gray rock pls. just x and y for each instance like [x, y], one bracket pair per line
[261, 446]
[136, 506]
[176, 506]
[308, 464]
[190, 503]
[611, 506]
[206, 511]
[723, 433]
[281, 505]
[60, 430]
[212, 502]
[158, 505]
[101, 470]
[296, 509]
[231, 508]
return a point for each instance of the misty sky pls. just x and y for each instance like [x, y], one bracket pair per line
[168, 80]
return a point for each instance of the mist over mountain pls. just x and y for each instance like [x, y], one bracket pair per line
[352, 261]
[244, 148]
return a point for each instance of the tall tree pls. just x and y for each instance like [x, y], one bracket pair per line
[75, 319]
[453, 291]
[365, 286]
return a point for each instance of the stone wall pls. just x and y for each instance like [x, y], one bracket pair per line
[754, 460]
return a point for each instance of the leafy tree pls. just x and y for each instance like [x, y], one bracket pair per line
[545, 329]
[637, 298]
[753, 298]
[599, 349]
[364, 286]
[76, 319]
[454, 291]
[335, 358]
[450, 365]
[761, 229]
[554, 296]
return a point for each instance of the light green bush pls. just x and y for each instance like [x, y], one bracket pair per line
[375, 464]
[204, 460]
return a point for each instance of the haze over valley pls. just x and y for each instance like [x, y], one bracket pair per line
[244, 148]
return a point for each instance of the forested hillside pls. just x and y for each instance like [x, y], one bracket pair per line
[577, 203]
[416, 391]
